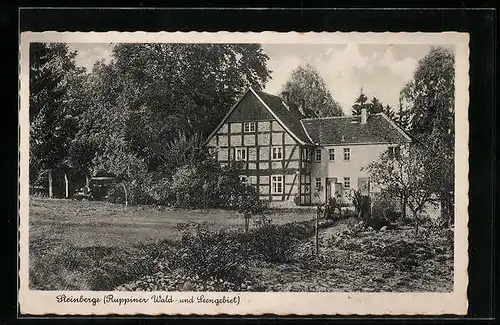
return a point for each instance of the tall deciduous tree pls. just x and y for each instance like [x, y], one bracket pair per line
[149, 93]
[306, 86]
[430, 103]
[53, 108]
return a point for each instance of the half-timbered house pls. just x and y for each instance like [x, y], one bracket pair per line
[286, 155]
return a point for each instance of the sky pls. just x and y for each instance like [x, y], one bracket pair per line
[381, 70]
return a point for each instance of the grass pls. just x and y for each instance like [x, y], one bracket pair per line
[84, 223]
[82, 245]
[101, 246]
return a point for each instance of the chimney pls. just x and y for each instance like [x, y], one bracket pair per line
[302, 107]
[284, 95]
[363, 116]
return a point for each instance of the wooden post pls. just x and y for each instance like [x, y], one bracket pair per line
[246, 215]
[126, 195]
[66, 185]
[50, 183]
[316, 236]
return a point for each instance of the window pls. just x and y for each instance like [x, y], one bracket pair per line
[317, 155]
[277, 184]
[347, 183]
[277, 153]
[249, 127]
[307, 188]
[331, 154]
[347, 153]
[394, 152]
[306, 154]
[243, 179]
[241, 154]
[318, 184]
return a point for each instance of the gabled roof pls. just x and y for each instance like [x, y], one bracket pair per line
[348, 130]
[288, 115]
[327, 130]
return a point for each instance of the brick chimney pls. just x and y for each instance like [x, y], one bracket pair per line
[364, 116]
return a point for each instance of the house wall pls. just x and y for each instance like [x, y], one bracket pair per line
[360, 156]
[259, 166]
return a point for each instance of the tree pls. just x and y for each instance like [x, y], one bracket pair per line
[375, 106]
[306, 86]
[389, 112]
[407, 177]
[151, 92]
[53, 109]
[430, 102]
[360, 103]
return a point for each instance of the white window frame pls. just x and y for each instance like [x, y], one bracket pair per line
[347, 183]
[318, 183]
[277, 184]
[306, 154]
[347, 154]
[277, 153]
[240, 150]
[317, 153]
[331, 152]
[248, 127]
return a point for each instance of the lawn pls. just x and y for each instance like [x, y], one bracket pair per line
[102, 246]
[94, 223]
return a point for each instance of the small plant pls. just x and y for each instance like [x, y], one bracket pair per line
[272, 242]
[212, 255]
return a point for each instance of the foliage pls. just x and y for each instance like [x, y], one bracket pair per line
[408, 177]
[374, 106]
[148, 110]
[54, 106]
[88, 268]
[212, 255]
[360, 103]
[306, 85]
[384, 207]
[429, 103]
[272, 242]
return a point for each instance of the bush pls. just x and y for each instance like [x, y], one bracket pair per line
[212, 255]
[272, 242]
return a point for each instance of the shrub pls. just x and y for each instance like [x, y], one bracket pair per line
[272, 242]
[212, 255]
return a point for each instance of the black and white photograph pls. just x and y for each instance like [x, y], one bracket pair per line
[182, 171]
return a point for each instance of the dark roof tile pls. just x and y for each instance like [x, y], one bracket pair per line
[348, 129]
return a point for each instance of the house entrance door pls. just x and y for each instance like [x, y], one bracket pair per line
[330, 188]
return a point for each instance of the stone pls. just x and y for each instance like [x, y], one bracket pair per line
[384, 228]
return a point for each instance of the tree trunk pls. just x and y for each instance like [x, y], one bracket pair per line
[316, 236]
[126, 194]
[50, 183]
[403, 208]
[66, 185]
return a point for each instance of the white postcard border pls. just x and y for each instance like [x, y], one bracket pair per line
[280, 303]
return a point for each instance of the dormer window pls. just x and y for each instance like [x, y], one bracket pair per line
[249, 127]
